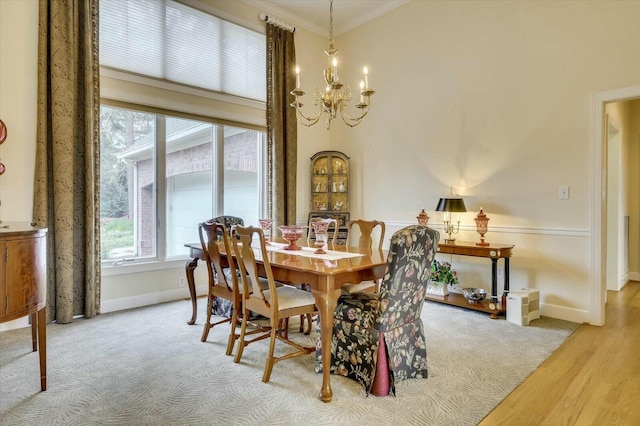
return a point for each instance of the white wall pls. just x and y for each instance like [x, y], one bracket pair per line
[18, 85]
[492, 98]
[18, 91]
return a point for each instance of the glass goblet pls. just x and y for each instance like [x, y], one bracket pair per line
[265, 224]
[320, 229]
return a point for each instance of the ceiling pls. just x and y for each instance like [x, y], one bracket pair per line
[313, 15]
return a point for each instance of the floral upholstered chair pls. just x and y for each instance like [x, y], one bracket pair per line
[221, 306]
[379, 336]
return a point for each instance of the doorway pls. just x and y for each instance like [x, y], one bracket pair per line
[601, 193]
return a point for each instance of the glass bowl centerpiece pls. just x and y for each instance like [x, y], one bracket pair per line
[291, 234]
[474, 294]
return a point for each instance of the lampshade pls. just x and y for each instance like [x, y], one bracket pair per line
[451, 205]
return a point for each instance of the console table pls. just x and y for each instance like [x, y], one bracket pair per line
[494, 252]
[23, 280]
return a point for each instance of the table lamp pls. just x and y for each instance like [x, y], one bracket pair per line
[448, 206]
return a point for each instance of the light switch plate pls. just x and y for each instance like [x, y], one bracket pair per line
[563, 192]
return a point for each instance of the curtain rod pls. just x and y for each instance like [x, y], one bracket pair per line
[277, 22]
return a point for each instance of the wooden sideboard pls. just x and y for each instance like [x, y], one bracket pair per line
[493, 304]
[23, 280]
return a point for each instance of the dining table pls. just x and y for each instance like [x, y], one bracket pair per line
[323, 273]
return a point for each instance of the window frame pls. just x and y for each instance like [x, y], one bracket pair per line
[127, 265]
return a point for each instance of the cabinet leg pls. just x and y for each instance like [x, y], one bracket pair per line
[42, 346]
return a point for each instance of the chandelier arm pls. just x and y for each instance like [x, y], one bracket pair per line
[308, 121]
[353, 121]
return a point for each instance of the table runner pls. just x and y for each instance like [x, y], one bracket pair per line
[309, 252]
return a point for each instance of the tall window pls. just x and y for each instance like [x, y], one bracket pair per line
[162, 175]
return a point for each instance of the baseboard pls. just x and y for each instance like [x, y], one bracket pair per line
[148, 299]
[578, 316]
[123, 303]
[12, 325]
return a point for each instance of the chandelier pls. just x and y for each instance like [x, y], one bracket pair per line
[333, 99]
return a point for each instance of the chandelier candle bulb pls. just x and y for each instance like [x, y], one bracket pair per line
[361, 92]
[365, 70]
[297, 77]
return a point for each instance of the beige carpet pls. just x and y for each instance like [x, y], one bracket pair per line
[148, 367]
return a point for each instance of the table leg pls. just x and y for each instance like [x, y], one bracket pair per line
[42, 346]
[494, 280]
[326, 302]
[189, 268]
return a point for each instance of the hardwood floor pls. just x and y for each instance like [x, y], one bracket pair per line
[592, 379]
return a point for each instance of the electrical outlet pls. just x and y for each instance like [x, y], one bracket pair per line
[182, 282]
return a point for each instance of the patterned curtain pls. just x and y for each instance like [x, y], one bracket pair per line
[282, 128]
[66, 194]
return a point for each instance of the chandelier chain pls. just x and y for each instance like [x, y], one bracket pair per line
[335, 97]
[331, 23]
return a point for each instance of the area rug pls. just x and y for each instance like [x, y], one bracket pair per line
[146, 366]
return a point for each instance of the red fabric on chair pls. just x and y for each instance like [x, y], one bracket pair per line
[380, 386]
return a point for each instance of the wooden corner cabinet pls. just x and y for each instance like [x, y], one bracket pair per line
[23, 279]
[330, 186]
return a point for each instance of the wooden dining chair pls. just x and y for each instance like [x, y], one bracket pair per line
[367, 230]
[275, 303]
[224, 281]
[223, 278]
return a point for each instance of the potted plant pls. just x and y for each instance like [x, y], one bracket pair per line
[442, 276]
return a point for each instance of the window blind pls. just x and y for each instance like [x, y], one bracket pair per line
[171, 41]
